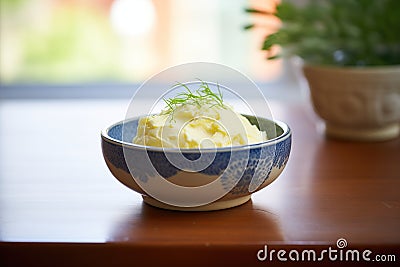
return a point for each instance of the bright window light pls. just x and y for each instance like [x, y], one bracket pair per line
[132, 17]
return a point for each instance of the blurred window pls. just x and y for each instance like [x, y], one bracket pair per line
[86, 41]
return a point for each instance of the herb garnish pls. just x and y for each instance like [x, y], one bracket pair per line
[202, 96]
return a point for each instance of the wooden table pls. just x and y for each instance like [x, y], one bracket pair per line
[60, 206]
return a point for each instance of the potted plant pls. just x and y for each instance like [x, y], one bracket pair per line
[351, 60]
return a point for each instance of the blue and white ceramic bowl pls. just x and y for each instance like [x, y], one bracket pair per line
[240, 170]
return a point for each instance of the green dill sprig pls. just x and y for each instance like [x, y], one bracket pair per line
[202, 96]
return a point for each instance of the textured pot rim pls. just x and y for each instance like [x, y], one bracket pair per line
[355, 69]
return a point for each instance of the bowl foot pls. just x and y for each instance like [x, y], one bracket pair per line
[217, 205]
[375, 134]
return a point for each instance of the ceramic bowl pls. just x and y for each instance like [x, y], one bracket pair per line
[356, 103]
[239, 170]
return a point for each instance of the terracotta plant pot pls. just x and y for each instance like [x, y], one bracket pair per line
[356, 103]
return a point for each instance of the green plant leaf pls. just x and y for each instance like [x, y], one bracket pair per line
[270, 41]
[274, 57]
[257, 11]
[248, 26]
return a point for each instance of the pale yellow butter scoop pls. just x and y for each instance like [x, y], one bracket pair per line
[202, 122]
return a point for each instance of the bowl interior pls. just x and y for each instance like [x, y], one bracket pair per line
[272, 129]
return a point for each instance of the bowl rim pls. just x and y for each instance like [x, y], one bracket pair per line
[286, 134]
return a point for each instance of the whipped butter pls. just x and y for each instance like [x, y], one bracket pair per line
[197, 126]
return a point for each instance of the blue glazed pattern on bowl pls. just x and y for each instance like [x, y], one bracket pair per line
[262, 158]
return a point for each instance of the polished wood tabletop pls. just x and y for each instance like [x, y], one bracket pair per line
[60, 206]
